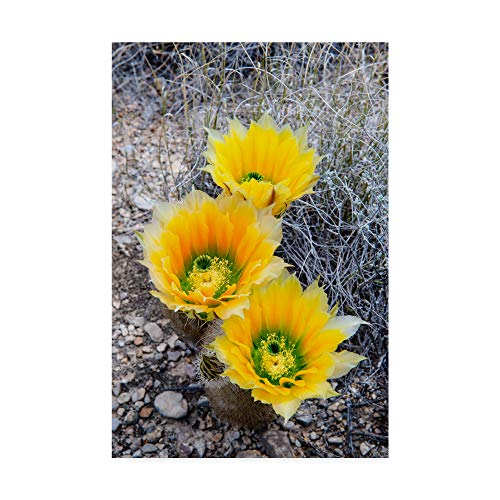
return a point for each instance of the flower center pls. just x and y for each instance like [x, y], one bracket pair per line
[210, 275]
[252, 175]
[275, 356]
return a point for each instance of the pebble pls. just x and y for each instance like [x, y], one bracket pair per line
[124, 397]
[200, 446]
[163, 453]
[174, 355]
[183, 369]
[304, 419]
[335, 440]
[171, 404]
[154, 332]
[138, 341]
[185, 450]
[137, 454]
[149, 448]
[313, 436]
[217, 437]
[181, 344]
[135, 320]
[365, 448]
[138, 394]
[142, 202]
[146, 411]
[250, 454]
[161, 347]
[114, 403]
[203, 402]
[154, 436]
[131, 417]
[136, 444]
[115, 423]
[171, 340]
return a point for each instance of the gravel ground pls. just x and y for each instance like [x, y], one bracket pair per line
[158, 405]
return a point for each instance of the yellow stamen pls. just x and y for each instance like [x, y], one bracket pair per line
[213, 279]
[277, 359]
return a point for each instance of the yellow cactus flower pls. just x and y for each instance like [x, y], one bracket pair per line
[282, 349]
[204, 254]
[269, 165]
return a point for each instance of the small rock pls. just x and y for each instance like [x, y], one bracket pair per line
[335, 440]
[161, 347]
[298, 444]
[185, 450]
[138, 341]
[154, 436]
[313, 436]
[200, 446]
[154, 331]
[127, 150]
[171, 404]
[131, 417]
[137, 454]
[115, 423]
[174, 355]
[203, 402]
[250, 454]
[135, 320]
[149, 448]
[124, 397]
[181, 344]
[183, 370]
[217, 437]
[171, 340]
[304, 419]
[114, 403]
[138, 405]
[163, 453]
[146, 411]
[138, 394]
[365, 448]
[276, 444]
[142, 202]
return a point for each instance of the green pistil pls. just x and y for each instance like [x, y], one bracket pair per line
[252, 175]
[202, 263]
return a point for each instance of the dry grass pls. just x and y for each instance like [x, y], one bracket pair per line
[338, 234]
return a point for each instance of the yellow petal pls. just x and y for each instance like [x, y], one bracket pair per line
[344, 362]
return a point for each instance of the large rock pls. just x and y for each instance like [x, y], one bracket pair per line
[171, 404]
[276, 444]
